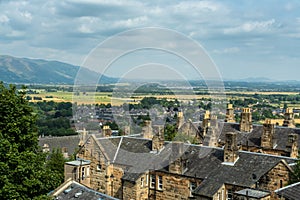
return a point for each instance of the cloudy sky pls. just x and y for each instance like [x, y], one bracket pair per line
[243, 38]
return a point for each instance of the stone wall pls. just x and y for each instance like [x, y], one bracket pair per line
[276, 178]
[174, 187]
[98, 167]
[129, 190]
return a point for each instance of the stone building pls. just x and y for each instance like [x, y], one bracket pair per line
[67, 144]
[266, 138]
[138, 168]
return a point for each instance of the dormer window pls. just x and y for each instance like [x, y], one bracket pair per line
[192, 186]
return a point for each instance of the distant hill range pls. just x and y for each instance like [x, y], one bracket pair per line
[38, 71]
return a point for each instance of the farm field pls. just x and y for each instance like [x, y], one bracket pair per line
[108, 97]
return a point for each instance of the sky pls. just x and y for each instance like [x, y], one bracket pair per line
[245, 38]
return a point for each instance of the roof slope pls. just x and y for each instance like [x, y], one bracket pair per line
[280, 137]
[291, 192]
[69, 142]
[74, 190]
[202, 162]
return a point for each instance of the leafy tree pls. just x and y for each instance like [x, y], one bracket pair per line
[56, 163]
[23, 172]
[170, 132]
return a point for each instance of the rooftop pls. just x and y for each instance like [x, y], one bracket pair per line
[291, 192]
[74, 190]
[202, 162]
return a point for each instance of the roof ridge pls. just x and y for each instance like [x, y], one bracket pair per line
[119, 145]
[269, 155]
[292, 185]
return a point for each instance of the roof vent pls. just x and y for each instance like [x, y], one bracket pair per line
[67, 190]
[78, 194]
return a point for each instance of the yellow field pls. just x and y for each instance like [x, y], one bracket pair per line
[263, 93]
[88, 98]
[107, 97]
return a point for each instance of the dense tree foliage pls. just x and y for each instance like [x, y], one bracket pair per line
[54, 118]
[23, 170]
[56, 163]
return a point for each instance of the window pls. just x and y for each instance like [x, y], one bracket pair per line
[160, 182]
[82, 173]
[75, 173]
[142, 181]
[152, 181]
[193, 186]
[222, 194]
[88, 171]
[147, 179]
[229, 194]
[99, 167]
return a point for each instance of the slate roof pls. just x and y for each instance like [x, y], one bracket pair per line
[280, 137]
[207, 163]
[70, 142]
[291, 192]
[202, 162]
[74, 190]
[134, 154]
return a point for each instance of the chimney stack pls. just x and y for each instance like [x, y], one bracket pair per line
[180, 119]
[292, 145]
[246, 120]
[158, 139]
[231, 148]
[289, 118]
[230, 114]
[267, 135]
[147, 130]
[177, 164]
[83, 137]
[205, 122]
[106, 131]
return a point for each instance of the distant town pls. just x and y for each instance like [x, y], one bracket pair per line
[154, 146]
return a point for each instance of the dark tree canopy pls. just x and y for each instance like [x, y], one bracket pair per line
[23, 170]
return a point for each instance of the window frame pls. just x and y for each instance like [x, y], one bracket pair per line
[160, 183]
[142, 181]
[152, 181]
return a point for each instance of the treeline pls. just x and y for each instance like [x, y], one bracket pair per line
[53, 118]
[148, 102]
